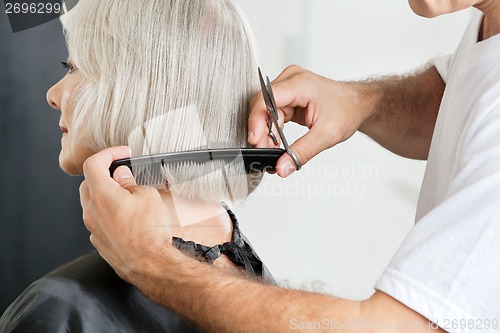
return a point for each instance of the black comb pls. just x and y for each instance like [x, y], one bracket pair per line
[147, 170]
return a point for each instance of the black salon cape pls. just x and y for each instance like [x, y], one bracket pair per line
[86, 295]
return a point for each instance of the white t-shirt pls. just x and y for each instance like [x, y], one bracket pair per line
[448, 267]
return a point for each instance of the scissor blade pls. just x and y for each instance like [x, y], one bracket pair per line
[271, 108]
[274, 111]
[265, 93]
[271, 94]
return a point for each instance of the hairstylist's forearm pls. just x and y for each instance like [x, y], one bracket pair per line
[402, 111]
[220, 302]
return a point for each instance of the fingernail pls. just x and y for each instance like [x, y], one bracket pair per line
[251, 134]
[288, 168]
[123, 172]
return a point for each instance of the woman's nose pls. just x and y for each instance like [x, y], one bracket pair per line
[54, 97]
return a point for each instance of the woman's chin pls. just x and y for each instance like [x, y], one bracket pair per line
[69, 167]
[72, 157]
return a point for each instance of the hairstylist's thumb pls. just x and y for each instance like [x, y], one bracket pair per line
[124, 177]
[305, 148]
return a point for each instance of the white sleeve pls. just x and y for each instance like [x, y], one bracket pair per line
[443, 65]
[448, 267]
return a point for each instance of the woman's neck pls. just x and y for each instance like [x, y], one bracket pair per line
[199, 221]
[185, 212]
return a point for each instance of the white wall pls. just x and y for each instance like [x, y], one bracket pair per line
[341, 218]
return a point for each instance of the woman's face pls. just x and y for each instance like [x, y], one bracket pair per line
[61, 97]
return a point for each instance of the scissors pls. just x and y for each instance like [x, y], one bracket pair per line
[267, 92]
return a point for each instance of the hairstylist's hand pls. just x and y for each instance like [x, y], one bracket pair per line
[126, 221]
[132, 226]
[331, 110]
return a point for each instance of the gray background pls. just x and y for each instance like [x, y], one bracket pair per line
[40, 214]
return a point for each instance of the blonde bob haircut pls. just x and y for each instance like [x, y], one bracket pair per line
[166, 76]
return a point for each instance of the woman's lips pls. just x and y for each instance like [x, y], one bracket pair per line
[63, 129]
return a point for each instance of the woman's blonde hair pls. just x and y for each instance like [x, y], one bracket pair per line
[166, 76]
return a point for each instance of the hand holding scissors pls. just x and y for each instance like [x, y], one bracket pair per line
[333, 112]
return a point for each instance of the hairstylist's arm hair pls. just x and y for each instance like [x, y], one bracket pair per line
[397, 112]
[404, 112]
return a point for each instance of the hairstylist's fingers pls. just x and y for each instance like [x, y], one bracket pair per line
[288, 73]
[275, 131]
[281, 118]
[96, 242]
[263, 139]
[96, 167]
[289, 113]
[100, 244]
[257, 128]
[84, 201]
[305, 148]
[285, 96]
[124, 177]
[84, 192]
[267, 141]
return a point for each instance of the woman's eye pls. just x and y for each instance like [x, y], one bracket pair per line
[68, 66]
